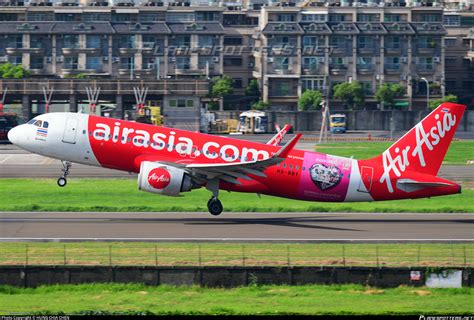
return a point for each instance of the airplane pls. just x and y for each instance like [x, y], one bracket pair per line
[169, 161]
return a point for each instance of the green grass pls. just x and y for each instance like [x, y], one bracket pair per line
[123, 195]
[459, 152]
[233, 254]
[310, 300]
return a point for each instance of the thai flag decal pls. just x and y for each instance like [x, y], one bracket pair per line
[42, 132]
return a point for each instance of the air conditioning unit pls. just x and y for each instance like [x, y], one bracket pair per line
[403, 77]
[49, 59]
[215, 59]
[105, 58]
[437, 59]
[59, 59]
[4, 59]
[270, 60]
[403, 59]
[115, 59]
[322, 60]
[172, 59]
[150, 65]
[251, 64]
[348, 37]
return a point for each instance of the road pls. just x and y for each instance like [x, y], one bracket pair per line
[280, 227]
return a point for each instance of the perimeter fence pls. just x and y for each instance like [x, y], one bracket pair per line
[217, 254]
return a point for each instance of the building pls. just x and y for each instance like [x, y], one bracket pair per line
[173, 48]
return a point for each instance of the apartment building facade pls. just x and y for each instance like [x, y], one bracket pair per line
[287, 45]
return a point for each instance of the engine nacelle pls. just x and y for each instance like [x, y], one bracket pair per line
[159, 178]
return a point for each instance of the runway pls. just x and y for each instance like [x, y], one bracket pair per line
[236, 227]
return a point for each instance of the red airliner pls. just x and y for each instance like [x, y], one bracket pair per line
[171, 161]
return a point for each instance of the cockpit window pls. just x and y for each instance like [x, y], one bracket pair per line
[45, 124]
[31, 121]
[38, 123]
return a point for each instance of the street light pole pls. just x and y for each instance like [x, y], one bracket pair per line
[427, 93]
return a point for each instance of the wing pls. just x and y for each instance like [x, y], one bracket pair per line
[231, 172]
[275, 141]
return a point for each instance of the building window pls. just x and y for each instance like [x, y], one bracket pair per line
[93, 41]
[180, 17]
[281, 63]
[207, 16]
[450, 85]
[182, 41]
[70, 63]
[233, 41]
[204, 62]
[181, 103]
[337, 18]
[338, 42]
[338, 62]
[126, 63]
[281, 88]
[430, 18]
[37, 41]
[314, 17]
[36, 16]
[393, 18]
[392, 42]
[312, 41]
[206, 40]
[15, 42]
[15, 60]
[312, 63]
[365, 42]
[450, 42]
[314, 84]
[148, 17]
[8, 17]
[282, 40]
[36, 62]
[365, 62]
[425, 63]
[286, 17]
[127, 41]
[361, 17]
[392, 63]
[121, 17]
[367, 86]
[94, 63]
[148, 41]
[94, 16]
[65, 17]
[232, 61]
[183, 63]
[71, 41]
[450, 20]
[427, 42]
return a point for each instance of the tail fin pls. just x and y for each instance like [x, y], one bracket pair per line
[424, 147]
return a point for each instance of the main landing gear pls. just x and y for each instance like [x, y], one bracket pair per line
[214, 205]
[62, 181]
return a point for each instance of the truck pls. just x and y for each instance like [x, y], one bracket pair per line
[337, 123]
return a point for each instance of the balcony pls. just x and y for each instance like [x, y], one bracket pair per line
[338, 69]
[393, 50]
[366, 49]
[393, 68]
[128, 50]
[425, 68]
[312, 70]
[17, 51]
[186, 71]
[365, 68]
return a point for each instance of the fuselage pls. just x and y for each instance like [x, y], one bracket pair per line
[124, 145]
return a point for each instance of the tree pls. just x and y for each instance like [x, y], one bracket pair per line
[352, 93]
[310, 100]
[8, 71]
[222, 87]
[449, 98]
[260, 105]
[387, 93]
[252, 89]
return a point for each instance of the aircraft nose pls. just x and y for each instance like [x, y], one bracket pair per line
[14, 135]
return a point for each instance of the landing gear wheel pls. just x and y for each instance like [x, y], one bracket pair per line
[62, 182]
[214, 206]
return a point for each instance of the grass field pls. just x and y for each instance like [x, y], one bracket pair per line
[123, 195]
[261, 300]
[232, 254]
[460, 152]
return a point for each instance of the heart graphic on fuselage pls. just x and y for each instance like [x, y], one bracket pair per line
[325, 177]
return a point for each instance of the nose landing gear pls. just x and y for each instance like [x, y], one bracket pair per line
[62, 181]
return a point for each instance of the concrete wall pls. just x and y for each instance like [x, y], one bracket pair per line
[356, 120]
[33, 276]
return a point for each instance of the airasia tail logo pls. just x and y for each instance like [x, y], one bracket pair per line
[159, 178]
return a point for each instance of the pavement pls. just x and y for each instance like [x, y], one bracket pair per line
[276, 227]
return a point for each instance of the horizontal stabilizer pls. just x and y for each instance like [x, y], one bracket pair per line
[409, 185]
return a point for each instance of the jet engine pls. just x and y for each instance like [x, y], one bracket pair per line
[163, 179]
